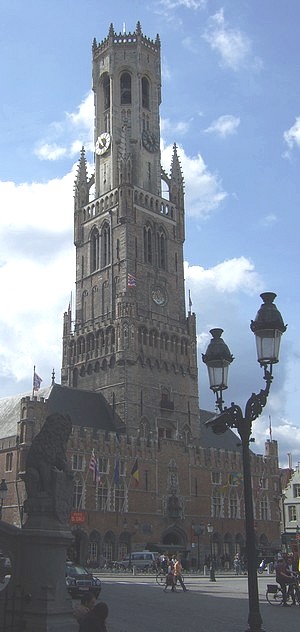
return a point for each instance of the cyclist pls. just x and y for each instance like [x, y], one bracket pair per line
[285, 577]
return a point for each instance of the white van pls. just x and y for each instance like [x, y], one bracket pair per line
[139, 559]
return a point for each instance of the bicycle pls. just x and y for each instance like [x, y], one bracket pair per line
[160, 577]
[274, 596]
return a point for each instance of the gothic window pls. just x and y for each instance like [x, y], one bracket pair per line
[125, 88]
[233, 505]
[145, 93]
[161, 249]
[120, 497]
[105, 245]
[147, 244]
[216, 477]
[78, 493]
[77, 462]
[8, 462]
[103, 496]
[264, 513]
[103, 464]
[173, 482]
[106, 91]
[216, 504]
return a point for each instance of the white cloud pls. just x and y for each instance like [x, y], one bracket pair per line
[225, 125]
[76, 129]
[204, 189]
[232, 45]
[292, 136]
[187, 4]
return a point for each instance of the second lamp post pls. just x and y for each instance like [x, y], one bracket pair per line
[267, 327]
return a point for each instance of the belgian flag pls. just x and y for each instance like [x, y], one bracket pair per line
[135, 473]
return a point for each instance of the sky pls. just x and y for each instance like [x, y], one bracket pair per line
[230, 101]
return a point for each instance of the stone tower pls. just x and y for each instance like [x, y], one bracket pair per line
[130, 336]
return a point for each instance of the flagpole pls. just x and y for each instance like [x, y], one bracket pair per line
[33, 381]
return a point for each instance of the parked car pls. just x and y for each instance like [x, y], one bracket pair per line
[79, 581]
[140, 559]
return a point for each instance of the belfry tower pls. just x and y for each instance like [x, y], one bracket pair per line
[131, 338]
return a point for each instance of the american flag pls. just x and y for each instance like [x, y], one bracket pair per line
[131, 280]
[93, 467]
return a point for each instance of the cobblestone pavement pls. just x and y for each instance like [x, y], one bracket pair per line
[138, 604]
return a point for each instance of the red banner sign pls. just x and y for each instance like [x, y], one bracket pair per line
[78, 517]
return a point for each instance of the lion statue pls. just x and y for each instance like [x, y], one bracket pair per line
[47, 453]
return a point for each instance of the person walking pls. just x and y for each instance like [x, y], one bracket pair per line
[178, 574]
[170, 578]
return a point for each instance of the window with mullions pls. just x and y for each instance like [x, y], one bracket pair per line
[264, 510]
[234, 505]
[296, 490]
[216, 478]
[105, 245]
[78, 493]
[145, 93]
[217, 504]
[103, 496]
[9, 462]
[292, 513]
[161, 250]
[106, 91]
[94, 250]
[147, 244]
[120, 497]
[77, 462]
[125, 88]
[103, 464]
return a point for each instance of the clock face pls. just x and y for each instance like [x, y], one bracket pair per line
[158, 295]
[102, 143]
[150, 141]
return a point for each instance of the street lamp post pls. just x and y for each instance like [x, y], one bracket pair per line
[210, 530]
[268, 327]
[3, 492]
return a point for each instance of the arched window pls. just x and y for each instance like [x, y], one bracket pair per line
[125, 88]
[105, 245]
[161, 249]
[106, 91]
[145, 93]
[147, 244]
[94, 258]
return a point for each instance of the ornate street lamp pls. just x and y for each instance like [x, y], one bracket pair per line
[3, 492]
[210, 530]
[268, 328]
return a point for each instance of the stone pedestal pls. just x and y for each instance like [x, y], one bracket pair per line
[45, 540]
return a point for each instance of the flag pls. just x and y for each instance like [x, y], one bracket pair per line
[131, 280]
[135, 473]
[93, 466]
[117, 473]
[37, 380]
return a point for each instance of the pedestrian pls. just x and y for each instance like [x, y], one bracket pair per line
[87, 602]
[178, 574]
[170, 579]
[95, 619]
